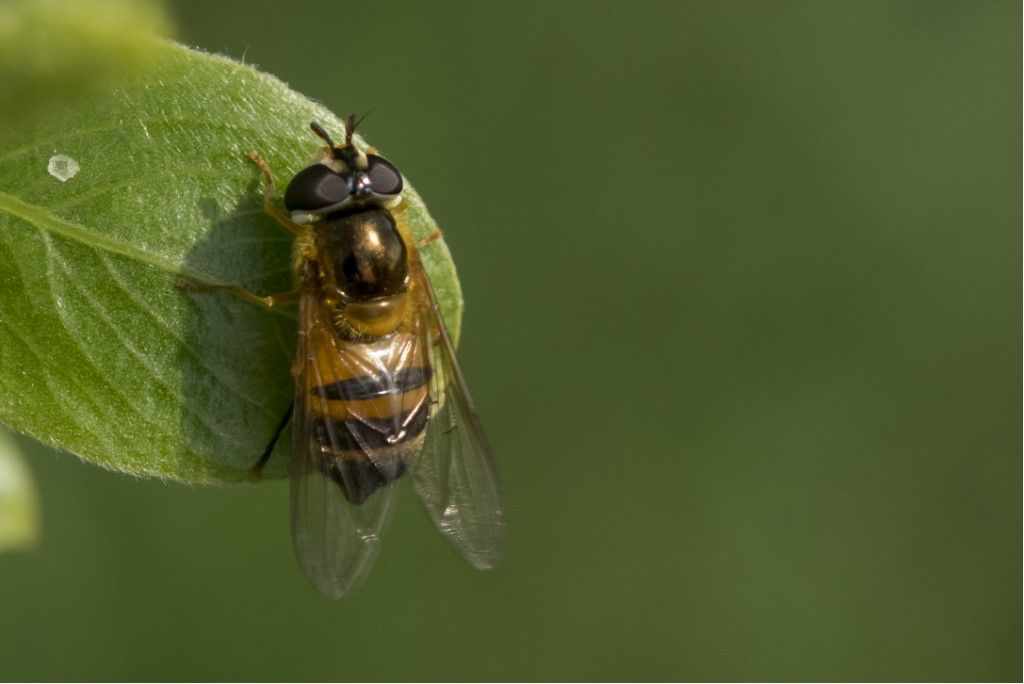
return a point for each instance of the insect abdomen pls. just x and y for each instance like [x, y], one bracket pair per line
[368, 421]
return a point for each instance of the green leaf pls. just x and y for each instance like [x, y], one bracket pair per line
[100, 354]
[19, 512]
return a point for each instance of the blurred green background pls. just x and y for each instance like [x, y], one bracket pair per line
[743, 320]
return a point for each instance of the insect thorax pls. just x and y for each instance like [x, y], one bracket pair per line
[363, 264]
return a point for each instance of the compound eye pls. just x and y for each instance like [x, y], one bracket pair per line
[315, 187]
[384, 177]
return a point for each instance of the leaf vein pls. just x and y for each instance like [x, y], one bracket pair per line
[115, 389]
[180, 340]
[40, 219]
[142, 359]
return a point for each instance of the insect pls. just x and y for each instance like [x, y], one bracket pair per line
[378, 391]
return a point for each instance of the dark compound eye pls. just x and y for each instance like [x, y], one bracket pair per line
[384, 178]
[315, 187]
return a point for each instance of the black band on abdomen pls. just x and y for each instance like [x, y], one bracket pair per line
[370, 433]
[371, 387]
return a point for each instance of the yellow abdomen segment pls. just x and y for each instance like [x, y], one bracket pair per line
[384, 380]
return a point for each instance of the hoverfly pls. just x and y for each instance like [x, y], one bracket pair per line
[378, 390]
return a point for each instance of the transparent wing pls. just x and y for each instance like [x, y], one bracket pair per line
[455, 476]
[336, 541]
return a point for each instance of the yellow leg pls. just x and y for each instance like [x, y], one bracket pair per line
[269, 190]
[403, 228]
[433, 237]
[269, 301]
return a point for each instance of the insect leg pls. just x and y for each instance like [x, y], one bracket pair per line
[269, 301]
[398, 213]
[433, 237]
[268, 191]
[257, 467]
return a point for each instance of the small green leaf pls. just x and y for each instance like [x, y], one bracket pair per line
[19, 512]
[100, 354]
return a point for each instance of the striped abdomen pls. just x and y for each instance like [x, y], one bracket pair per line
[369, 404]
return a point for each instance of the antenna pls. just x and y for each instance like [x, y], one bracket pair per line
[350, 125]
[319, 130]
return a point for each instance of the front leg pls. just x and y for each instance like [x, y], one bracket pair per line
[269, 189]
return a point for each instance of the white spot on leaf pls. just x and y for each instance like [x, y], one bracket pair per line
[62, 167]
